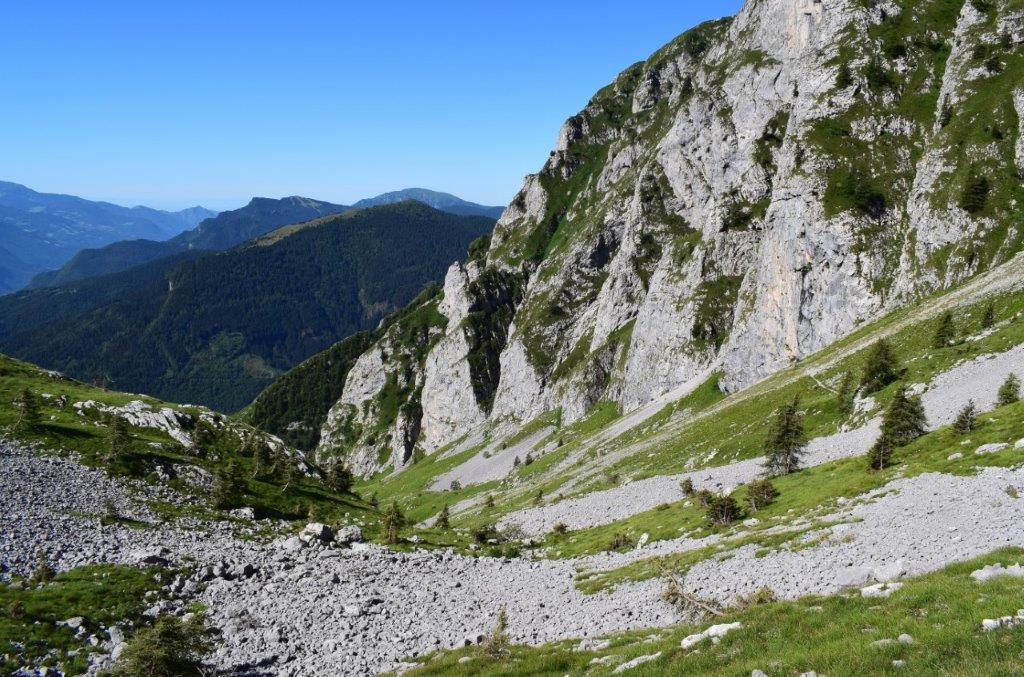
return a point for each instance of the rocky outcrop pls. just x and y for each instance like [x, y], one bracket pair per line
[741, 199]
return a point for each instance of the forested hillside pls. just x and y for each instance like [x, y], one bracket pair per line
[218, 329]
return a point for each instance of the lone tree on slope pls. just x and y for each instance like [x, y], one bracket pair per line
[881, 369]
[393, 522]
[945, 333]
[28, 412]
[880, 453]
[786, 440]
[967, 419]
[119, 439]
[904, 421]
[988, 318]
[846, 393]
[1009, 392]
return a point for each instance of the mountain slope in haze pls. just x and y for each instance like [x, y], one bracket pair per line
[40, 231]
[219, 232]
[218, 329]
[749, 194]
[446, 202]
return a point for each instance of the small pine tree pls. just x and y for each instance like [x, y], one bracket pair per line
[845, 395]
[538, 498]
[786, 440]
[28, 412]
[497, 642]
[119, 439]
[394, 521]
[988, 318]
[844, 78]
[904, 421]
[1009, 392]
[761, 493]
[967, 419]
[686, 486]
[489, 502]
[881, 368]
[723, 510]
[516, 462]
[339, 478]
[975, 194]
[880, 453]
[203, 439]
[228, 485]
[443, 519]
[43, 573]
[945, 333]
[262, 460]
[172, 646]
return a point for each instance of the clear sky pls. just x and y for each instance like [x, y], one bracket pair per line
[175, 103]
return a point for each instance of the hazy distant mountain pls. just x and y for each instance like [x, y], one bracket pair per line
[219, 232]
[41, 231]
[446, 202]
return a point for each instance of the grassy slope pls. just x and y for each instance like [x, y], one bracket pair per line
[101, 595]
[63, 429]
[832, 635]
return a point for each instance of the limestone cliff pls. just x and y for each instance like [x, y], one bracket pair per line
[744, 197]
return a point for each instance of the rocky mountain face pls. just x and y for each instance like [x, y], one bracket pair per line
[746, 196]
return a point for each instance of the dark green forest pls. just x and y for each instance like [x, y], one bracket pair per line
[217, 330]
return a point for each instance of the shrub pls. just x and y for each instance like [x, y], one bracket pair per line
[881, 368]
[443, 520]
[844, 78]
[28, 412]
[876, 75]
[686, 486]
[489, 502]
[228, 485]
[43, 573]
[723, 510]
[560, 529]
[988, 317]
[394, 521]
[846, 393]
[967, 419]
[704, 497]
[484, 533]
[1009, 392]
[786, 440]
[339, 478]
[497, 642]
[16, 610]
[975, 194]
[538, 497]
[455, 485]
[945, 333]
[620, 542]
[761, 493]
[171, 647]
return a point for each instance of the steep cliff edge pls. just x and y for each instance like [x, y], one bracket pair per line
[743, 198]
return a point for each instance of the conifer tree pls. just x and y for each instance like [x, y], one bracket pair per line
[393, 522]
[967, 419]
[119, 439]
[28, 412]
[723, 510]
[1009, 392]
[786, 440]
[988, 318]
[881, 369]
[443, 520]
[904, 421]
[846, 393]
[880, 454]
[229, 484]
[339, 478]
[761, 493]
[945, 333]
[262, 460]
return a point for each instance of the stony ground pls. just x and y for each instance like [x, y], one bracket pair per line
[285, 609]
[284, 606]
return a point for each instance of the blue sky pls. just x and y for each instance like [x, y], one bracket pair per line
[177, 103]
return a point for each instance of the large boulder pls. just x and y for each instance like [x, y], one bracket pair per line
[316, 531]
